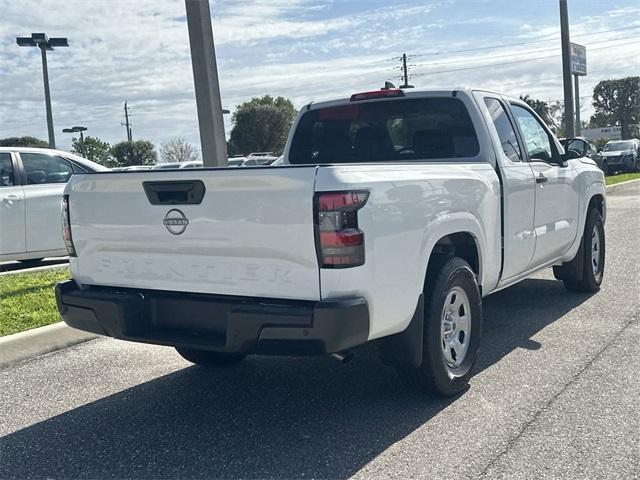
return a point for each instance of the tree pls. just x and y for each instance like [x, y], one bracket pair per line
[261, 125]
[178, 150]
[138, 152]
[23, 142]
[94, 149]
[541, 107]
[617, 102]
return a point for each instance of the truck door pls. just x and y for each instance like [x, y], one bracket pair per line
[518, 187]
[557, 189]
[11, 208]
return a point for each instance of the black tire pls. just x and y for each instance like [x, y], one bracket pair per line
[206, 358]
[605, 168]
[435, 375]
[586, 278]
[31, 262]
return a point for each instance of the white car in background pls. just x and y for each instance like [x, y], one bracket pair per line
[31, 184]
[192, 164]
[166, 166]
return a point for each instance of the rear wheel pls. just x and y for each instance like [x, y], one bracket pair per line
[588, 278]
[452, 332]
[206, 358]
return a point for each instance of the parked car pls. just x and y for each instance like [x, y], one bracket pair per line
[192, 164]
[135, 168]
[259, 158]
[166, 165]
[31, 184]
[405, 209]
[621, 155]
[236, 161]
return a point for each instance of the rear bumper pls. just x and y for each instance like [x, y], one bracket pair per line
[216, 322]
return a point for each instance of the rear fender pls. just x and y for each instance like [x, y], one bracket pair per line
[449, 224]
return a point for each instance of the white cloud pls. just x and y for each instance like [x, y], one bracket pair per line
[301, 49]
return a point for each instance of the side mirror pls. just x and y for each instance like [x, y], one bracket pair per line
[571, 154]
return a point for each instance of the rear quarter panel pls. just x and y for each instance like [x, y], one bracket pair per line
[411, 207]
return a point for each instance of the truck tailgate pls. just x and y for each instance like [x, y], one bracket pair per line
[252, 234]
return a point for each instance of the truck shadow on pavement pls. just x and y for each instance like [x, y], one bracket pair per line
[266, 418]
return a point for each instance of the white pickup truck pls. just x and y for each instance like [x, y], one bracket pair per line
[394, 213]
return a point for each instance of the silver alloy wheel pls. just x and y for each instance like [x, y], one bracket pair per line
[595, 252]
[455, 327]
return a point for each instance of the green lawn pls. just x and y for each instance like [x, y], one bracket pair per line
[622, 177]
[27, 300]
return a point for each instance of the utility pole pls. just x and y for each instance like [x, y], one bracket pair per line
[405, 73]
[47, 96]
[207, 87]
[126, 119]
[576, 91]
[569, 129]
[45, 43]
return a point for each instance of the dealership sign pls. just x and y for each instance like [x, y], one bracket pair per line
[578, 59]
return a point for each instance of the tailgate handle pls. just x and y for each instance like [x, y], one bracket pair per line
[184, 192]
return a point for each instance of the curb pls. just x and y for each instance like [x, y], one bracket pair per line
[618, 186]
[35, 269]
[38, 341]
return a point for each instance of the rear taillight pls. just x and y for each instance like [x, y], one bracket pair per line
[66, 227]
[339, 242]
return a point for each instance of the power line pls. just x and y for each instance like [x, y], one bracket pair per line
[513, 61]
[547, 38]
[507, 55]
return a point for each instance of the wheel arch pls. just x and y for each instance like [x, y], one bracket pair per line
[464, 239]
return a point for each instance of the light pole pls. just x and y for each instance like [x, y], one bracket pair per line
[569, 119]
[74, 130]
[207, 87]
[44, 43]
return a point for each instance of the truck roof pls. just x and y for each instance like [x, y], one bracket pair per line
[408, 93]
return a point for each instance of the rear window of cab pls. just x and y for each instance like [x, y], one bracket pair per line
[422, 129]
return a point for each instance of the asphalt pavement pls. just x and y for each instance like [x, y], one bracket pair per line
[556, 395]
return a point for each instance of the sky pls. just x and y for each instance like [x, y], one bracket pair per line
[305, 50]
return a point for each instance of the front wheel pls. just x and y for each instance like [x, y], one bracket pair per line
[452, 332]
[206, 358]
[591, 254]
[605, 168]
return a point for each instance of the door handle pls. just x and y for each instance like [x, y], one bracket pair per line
[541, 179]
[11, 198]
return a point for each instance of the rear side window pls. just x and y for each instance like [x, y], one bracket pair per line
[396, 130]
[506, 132]
[41, 168]
[6, 170]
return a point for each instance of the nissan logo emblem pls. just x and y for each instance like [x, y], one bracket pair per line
[175, 221]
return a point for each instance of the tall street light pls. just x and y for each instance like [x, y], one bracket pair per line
[75, 130]
[44, 43]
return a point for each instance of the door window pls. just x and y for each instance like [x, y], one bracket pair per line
[6, 170]
[536, 138]
[42, 168]
[506, 132]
